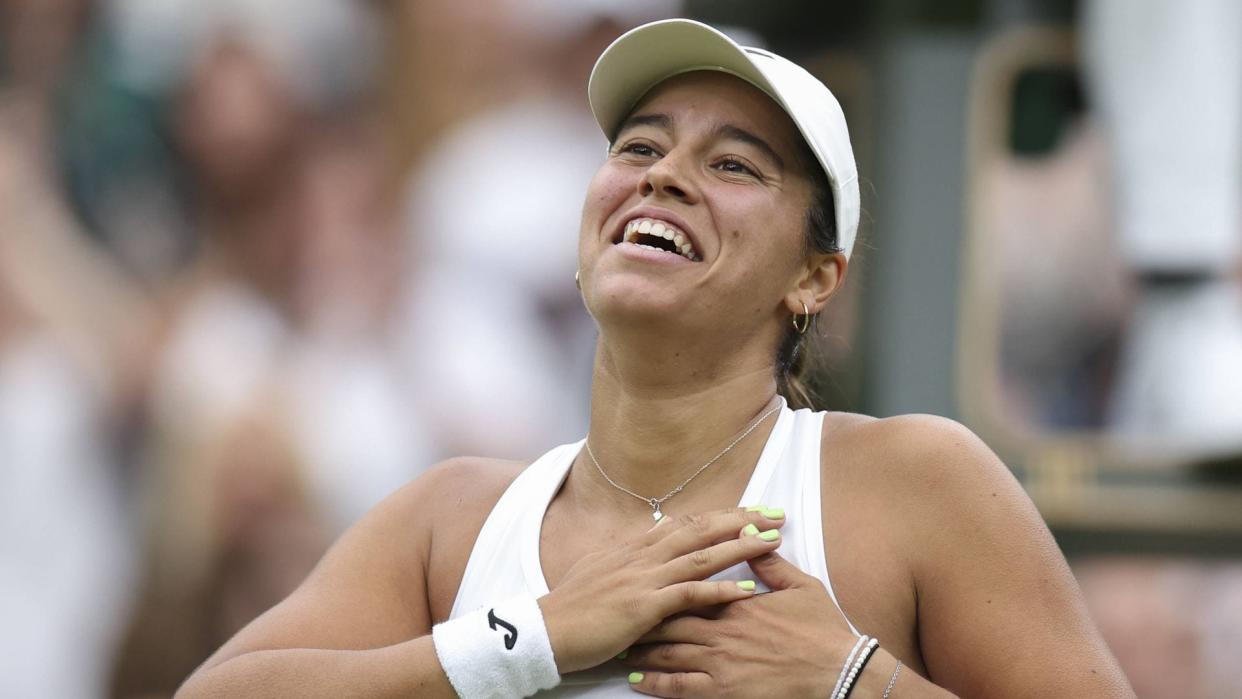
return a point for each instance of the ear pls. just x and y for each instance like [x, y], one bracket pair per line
[821, 277]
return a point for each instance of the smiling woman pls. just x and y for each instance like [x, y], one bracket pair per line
[721, 221]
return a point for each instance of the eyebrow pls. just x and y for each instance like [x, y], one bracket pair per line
[726, 131]
[660, 121]
[736, 133]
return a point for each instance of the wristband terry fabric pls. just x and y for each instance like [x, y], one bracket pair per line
[498, 652]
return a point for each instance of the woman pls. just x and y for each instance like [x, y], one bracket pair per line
[721, 221]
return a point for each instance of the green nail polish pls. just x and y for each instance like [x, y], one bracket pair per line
[623, 655]
[750, 530]
[747, 585]
[756, 508]
[636, 677]
[770, 535]
[774, 512]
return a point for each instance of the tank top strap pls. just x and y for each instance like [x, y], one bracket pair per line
[499, 549]
[806, 451]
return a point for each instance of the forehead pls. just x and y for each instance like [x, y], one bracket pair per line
[716, 97]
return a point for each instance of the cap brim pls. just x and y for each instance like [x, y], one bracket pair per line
[653, 53]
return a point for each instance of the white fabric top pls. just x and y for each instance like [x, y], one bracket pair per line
[505, 560]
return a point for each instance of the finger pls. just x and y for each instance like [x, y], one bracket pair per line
[695, 531]
[674, 685]
[700, 593]
[778, 573]
[666, 657]
[705, 562]
[679, 629]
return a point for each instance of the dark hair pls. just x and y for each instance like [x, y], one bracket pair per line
[821, 237]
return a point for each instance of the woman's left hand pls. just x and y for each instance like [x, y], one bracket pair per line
[790, 642]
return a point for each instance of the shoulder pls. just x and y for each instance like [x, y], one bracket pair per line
[465, 482]
[928, 477]
[919, 451]
[454, 497]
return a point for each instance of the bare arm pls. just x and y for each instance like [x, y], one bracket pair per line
[999, 612]
[358, 626]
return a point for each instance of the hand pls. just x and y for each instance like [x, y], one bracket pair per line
[610, 598]
[790, 642]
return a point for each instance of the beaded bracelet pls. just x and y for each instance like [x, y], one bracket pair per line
[865, 655]
[845, 668]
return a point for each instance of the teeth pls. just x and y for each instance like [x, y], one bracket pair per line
[659, 229]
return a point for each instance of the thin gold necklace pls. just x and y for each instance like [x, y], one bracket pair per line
[656, 503]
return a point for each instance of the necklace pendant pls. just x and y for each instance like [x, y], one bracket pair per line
[656, 514]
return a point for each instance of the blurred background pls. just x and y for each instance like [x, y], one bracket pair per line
[263, 261]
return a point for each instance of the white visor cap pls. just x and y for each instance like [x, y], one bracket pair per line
[647, 55]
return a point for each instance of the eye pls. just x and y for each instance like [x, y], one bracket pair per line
[736, 166]
[638, 148]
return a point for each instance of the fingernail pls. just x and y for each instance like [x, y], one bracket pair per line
[770, 535]
[635, 677]
[756, 508]
[623, 655]
[773, 512]
[750, 530]
[747, 585]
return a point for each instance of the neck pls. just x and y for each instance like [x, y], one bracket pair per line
[655, 422]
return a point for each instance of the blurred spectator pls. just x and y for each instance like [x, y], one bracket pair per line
[297, 255]
[62, 277]
[1168, 82]
[68, 322]
[1062, 287]
[278, 412]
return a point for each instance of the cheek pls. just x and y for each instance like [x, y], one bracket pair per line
[609, 189]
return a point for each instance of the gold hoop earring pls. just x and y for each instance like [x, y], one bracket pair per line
[576, 282]
[806, 320]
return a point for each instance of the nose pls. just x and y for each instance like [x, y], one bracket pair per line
[668, 177]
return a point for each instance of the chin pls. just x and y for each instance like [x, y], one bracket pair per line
[628, 299]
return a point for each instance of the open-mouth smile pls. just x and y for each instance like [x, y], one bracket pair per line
[660, 236]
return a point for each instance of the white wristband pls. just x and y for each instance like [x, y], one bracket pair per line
[497, 652]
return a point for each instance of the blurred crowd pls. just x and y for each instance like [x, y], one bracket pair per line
[264, 261]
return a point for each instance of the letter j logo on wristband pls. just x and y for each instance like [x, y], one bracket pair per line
[510, 635]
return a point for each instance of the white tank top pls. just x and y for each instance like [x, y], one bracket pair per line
[505, 560]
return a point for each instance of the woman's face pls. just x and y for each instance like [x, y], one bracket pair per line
[715, 162]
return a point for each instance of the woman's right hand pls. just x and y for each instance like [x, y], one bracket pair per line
[608, 599]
